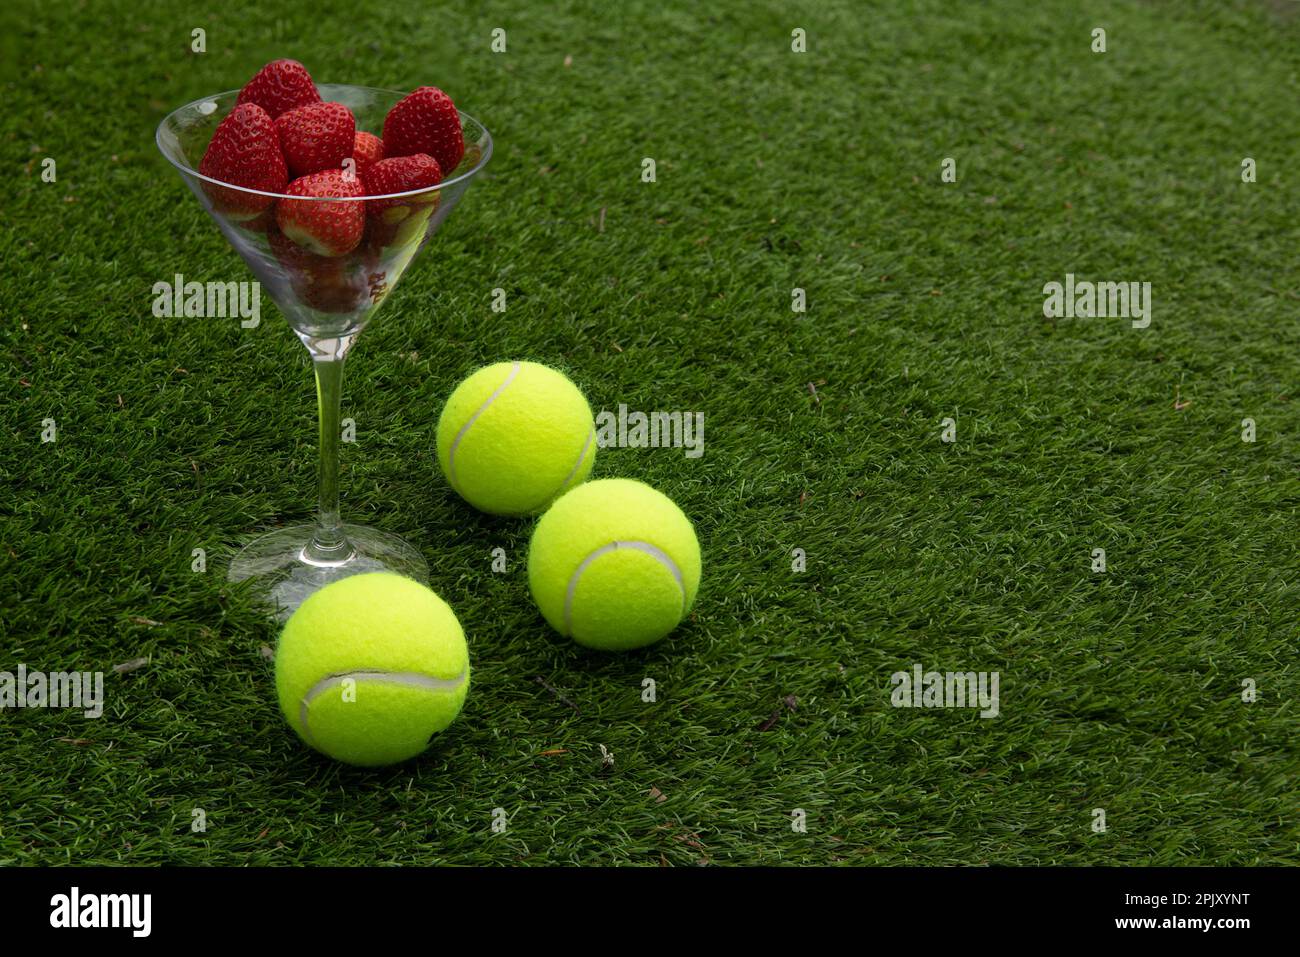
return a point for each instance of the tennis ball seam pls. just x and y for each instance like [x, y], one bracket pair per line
[582, 457]
[413, 679]
[464, 429]
[653, 551]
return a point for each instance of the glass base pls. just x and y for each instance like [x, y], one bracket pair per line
[284, 575]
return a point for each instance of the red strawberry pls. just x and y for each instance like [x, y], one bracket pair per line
[329, 222]
[400, 174]
[425, 121]
[381, 237]
[244, 152]
[280, 86]
[263, 221]
[325, 283]
[367, 150]
[300, 263]
[316, 137]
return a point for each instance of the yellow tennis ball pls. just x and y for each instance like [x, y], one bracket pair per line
[370, 667]
[515, 435]
[614, 564]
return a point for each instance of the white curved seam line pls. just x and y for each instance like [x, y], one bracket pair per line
[653, 551]
[451, 454]
[409, 678]
[582, 457]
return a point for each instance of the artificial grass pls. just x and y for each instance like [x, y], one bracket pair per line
[774, 171]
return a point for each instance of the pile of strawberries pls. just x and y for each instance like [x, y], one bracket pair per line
[281, 138]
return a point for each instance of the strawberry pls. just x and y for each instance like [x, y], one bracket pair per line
[260, 223]
[367, 150]
[302, 264]
[244, 152]
[327, 222]
[325, 283]
[280, 86]
[382, 237]
[401, 174]
[425, 121]
[316, 137]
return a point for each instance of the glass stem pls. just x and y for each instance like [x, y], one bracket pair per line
[328, 542]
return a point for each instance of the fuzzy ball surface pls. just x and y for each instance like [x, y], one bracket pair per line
[370, 668]
[614, 564]
[515, 435]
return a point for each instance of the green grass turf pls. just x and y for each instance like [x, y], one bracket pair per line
[1119, 691]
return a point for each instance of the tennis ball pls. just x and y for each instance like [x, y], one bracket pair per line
[614, 564]
[515, 435]
[370, 667]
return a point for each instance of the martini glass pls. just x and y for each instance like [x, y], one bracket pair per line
[327, 301]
